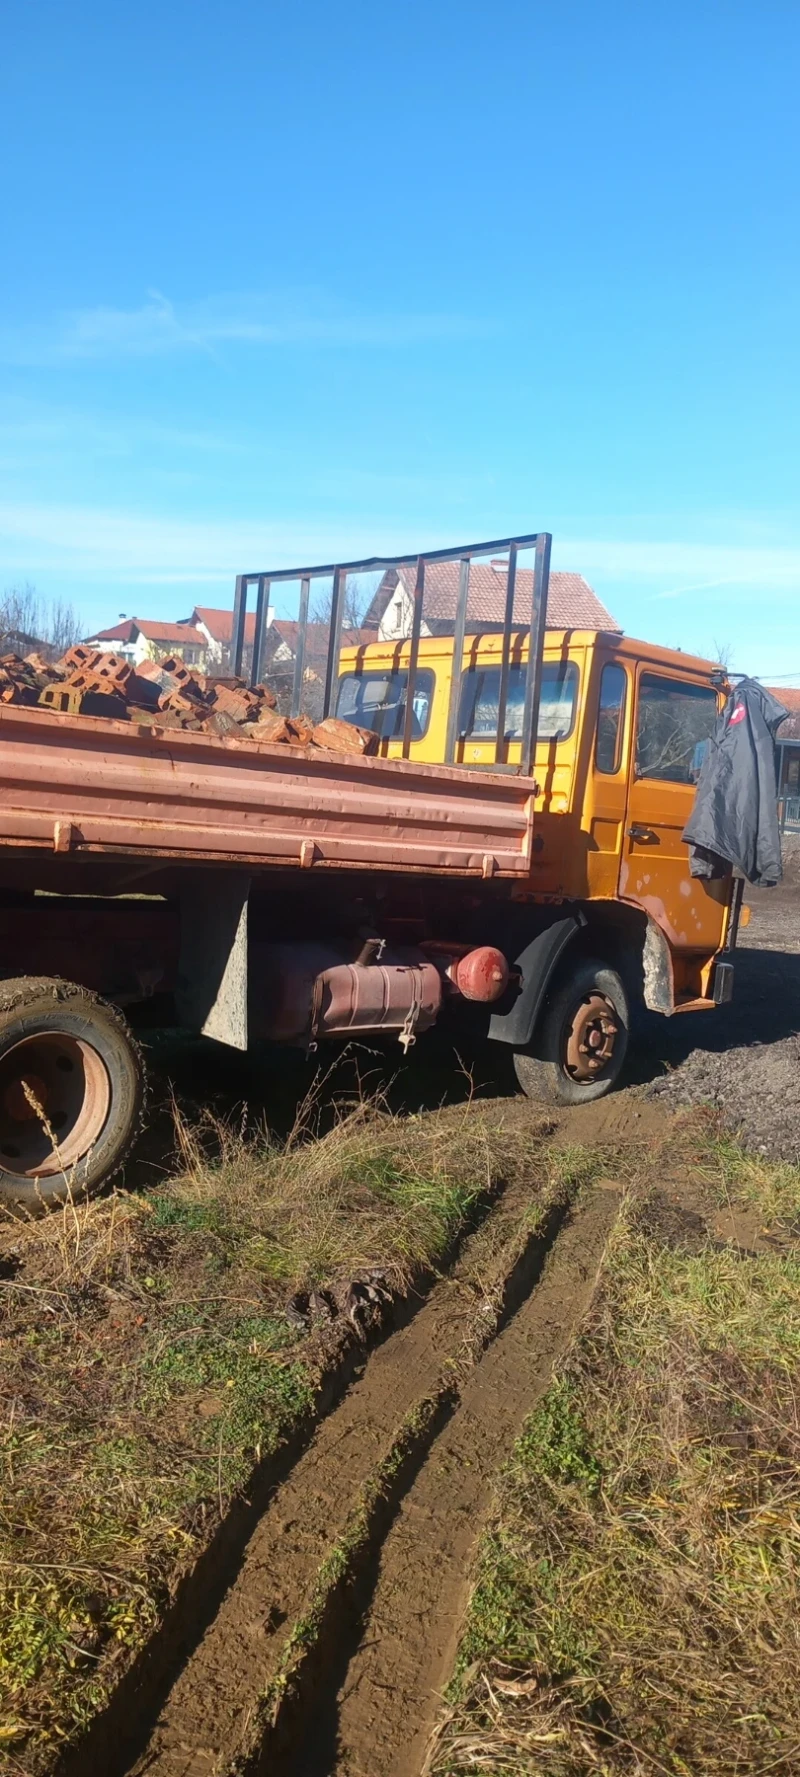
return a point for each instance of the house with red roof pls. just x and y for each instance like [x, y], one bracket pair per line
[145, 638]
[280, 644]
[280, 639]
[571, 604]
[217, 628]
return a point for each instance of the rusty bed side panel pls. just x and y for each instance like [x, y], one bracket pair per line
[82, 783]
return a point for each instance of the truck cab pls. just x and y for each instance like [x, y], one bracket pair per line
[621, 732]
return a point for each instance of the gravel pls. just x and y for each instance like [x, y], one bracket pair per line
[745, 1058]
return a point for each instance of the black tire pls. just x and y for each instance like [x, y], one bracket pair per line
[543, 1070]
[72, 1090]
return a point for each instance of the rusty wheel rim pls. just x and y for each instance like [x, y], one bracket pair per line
[590, 1037]
[55, 1096]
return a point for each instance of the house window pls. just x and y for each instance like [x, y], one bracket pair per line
[673, 723]
[610, 717]
[377, 700]
[480, 692]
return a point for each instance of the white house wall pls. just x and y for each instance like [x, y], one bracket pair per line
[398, 617]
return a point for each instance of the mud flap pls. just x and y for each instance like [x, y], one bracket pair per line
[723, 983]
[535, 964]
[659, 992]
[211, 995]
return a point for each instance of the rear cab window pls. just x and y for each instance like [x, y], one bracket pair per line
[674, 721]
[480, 693]
[377, 700]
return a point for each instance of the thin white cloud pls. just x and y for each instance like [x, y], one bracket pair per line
[34, 433]
[159, 326]
[94, 541]
[676, 592]
[698, 564]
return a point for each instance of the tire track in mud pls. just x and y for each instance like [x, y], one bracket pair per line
[365, 1698]
[206, 1712]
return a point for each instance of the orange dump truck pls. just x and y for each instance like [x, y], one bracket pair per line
[508, 856]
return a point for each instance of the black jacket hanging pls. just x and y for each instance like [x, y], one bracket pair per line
[734, 820]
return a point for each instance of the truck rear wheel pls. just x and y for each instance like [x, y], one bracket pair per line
[581, 1038]
[71, 1092]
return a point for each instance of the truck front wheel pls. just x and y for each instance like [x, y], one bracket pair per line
[579, 1045]
[71, 1092]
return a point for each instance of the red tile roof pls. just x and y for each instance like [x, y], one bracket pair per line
[571, 604]
[120, 632]
[220, 624]
[790, 729]
[153, 631]
[317, 635]
[171, 632]
[789, 698]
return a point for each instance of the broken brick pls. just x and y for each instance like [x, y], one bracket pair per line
[270, 727]
[300, 730]
[344, 737]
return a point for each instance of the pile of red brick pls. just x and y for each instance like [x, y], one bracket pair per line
[163, 694]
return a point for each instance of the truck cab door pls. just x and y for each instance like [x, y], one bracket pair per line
[673, 717]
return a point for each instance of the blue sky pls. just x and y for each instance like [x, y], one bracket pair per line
[282, 283]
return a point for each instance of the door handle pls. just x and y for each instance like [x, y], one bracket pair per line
[645, 835]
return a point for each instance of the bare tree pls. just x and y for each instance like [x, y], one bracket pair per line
[357, 600]
[29, 622]
[723, 653]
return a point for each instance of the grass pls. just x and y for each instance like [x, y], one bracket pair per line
[771, 1190]
[636, 1608]
[150, 1365]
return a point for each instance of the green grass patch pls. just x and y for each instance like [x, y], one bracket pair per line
[770, 1186]
[636, 1606]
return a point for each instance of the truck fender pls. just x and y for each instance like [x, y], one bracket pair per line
[535, 964]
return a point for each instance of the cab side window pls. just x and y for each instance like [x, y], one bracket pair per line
[673, 720]
[610, 717]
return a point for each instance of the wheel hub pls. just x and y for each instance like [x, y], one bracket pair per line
[590, 1037]
[55, 1096]
[23, 1097]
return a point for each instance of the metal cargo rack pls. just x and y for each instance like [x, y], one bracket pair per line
[464, 554]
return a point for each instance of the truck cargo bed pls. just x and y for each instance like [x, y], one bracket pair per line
[83, 784]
